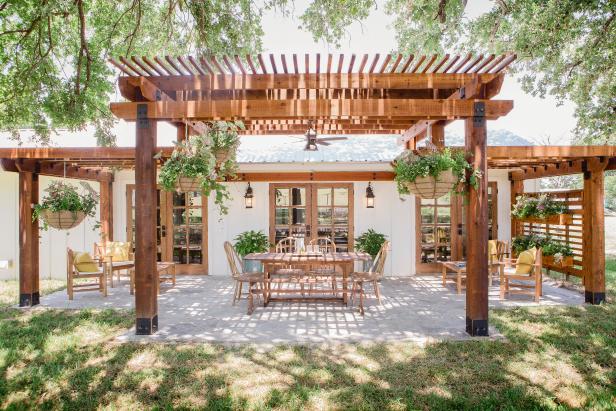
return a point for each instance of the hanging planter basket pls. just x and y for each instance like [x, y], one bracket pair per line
[432, 187]
[550, 260]
[63, 220]
[221, 156]
[188, 185]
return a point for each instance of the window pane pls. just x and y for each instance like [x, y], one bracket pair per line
[282, 216]
[194, 199]
[179, 199]
[427, 235]
[179, 216]
[195, 215]
[195, 236]
[446, 199]
[341, 237]
[341, 196]
[341, 215]
[179, 255]
[324, 232]
[325, 215]
[281, 233]
[282, 196]
[428, 201]
[443, 234]
[427, 215]
[194, 257]
[443, 215]
[179, 236]
[324, 196]
[298, 196]
[299, 215]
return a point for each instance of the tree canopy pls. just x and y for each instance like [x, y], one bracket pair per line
[54, 52]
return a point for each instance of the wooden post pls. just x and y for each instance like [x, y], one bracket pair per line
[477, 227]
[106, 210]
[146, 301]
[28, 240]
[517, 188]
[438, 134]
[181, 132]
[594, 233]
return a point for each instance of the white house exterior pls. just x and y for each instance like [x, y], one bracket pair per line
[393, 215]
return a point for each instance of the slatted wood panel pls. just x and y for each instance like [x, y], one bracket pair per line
[567, 234]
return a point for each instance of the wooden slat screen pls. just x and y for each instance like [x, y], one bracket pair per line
[567, 234]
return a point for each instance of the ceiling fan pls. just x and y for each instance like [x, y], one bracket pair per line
[313, 141]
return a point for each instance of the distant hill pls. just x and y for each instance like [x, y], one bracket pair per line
[495, 138]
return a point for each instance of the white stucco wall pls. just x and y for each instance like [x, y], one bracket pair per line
[53, 243]
[391, 216]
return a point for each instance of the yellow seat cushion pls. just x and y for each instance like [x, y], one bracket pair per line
[492, 251]
[526, 259]
[84, 263]
[117, 250]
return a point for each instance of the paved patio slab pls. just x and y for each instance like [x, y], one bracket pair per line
[416, 309]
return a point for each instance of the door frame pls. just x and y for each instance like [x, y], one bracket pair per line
[311, 207]
[167, 228]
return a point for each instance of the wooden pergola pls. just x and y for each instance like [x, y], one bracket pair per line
[401, 95]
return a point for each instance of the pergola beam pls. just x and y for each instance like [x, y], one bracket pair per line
[276, 109]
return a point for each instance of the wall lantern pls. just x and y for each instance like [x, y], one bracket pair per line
[248, 197]
[369, 196]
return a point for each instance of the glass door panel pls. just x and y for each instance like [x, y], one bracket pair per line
[189, 237]
[290, 212]
[333, 213]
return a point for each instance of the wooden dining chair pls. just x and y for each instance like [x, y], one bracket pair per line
[371, 276]
[255, 280]
[81, 266]
[327, 246]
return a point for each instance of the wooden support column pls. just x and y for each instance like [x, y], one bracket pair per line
[517, 188]
[181, 132]
[146, 301]
[106, 210]
[28, 240]
[438, 134]
[477, 227]
[594, 232]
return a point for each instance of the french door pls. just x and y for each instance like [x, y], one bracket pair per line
[181, 227]
[309, 211]
[441, 229]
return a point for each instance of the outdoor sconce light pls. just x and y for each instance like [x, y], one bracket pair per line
[369, 196]
[248, 197]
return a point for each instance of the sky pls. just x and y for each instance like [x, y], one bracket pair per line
[535, 119]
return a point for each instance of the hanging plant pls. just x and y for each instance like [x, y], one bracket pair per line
[541, 209]
[201, 162]
[432, 173]
[64, 207]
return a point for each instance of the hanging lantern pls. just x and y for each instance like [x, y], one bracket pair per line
[248, 197]
[369, 196]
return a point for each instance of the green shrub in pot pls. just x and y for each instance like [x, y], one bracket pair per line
[251, 242]
[370, 242]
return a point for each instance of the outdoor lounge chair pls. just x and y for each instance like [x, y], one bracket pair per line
[255, 280]
[118, 254]
[373, 275]
[83, 266]
[525, 271]
[497, 252]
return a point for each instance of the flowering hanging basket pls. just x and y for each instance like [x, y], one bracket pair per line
[63, 220]
[432, 187]
[188, 185]
[551, 260]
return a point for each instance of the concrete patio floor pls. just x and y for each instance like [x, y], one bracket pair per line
[199, 308]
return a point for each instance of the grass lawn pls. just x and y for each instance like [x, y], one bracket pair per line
[553, 358]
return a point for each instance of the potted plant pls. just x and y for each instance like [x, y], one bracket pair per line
[554, 252]
[193, 165]
[542, 209]
[370, 242]
[64, 207]
[251, 242]
[432, 173]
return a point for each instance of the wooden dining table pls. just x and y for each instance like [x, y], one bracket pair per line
[344, 260]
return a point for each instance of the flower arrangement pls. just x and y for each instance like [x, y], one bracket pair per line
[64, 207]
[207, 159]
[447, 165]
[541, 206]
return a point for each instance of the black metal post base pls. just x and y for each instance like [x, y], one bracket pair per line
[29, 299]
[592, 297]
[147, 326]
[477, 328]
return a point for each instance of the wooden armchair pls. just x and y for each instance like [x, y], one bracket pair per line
[82, 266]
[371, 276]
[497, 252]
[527, 275]
[118, 254]
[255, 280]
